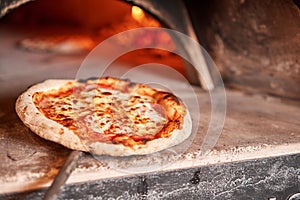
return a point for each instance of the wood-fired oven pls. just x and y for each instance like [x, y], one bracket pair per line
[255, 46]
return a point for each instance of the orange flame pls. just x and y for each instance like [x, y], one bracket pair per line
[137, 14]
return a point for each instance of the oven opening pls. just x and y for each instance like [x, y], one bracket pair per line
[76, 27]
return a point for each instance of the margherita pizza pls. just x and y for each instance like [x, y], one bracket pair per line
[107, 116]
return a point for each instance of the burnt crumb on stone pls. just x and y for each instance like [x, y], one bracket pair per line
[142, 189]
[196, 179]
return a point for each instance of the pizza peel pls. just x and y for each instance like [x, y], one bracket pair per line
[64, 173]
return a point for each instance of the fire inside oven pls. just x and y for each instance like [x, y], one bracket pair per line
[76, 27]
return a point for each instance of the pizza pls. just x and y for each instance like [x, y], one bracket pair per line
[64, 44]
[105, 116]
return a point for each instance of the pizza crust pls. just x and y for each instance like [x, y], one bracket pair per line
[53, 131]
[39, 123]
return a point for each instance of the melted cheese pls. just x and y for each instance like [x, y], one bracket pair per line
[115, 112]
[104, 112]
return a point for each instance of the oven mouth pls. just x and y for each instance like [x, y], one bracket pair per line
[75, 28]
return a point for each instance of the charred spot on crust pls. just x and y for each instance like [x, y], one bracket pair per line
[61, 131]
[144, 141]
[106, 93]
[88, 79]
[173, 97]
[29, 86]
[132, 84]
[92, 78]
[24, 109]
[126, 80]
[114, 142]
[167, 96]
[67, 122]
[81, 80]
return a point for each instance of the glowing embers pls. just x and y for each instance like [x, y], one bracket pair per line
[137, 14]
[149, 38]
